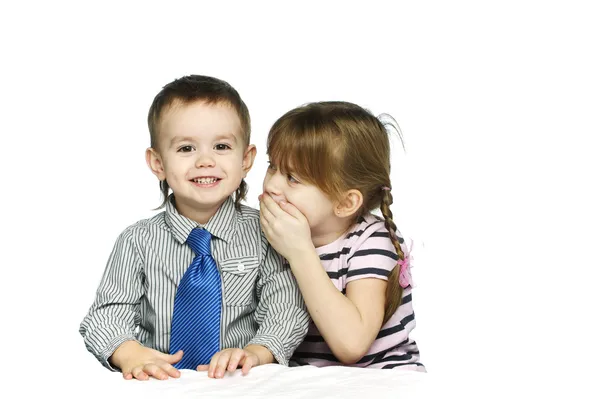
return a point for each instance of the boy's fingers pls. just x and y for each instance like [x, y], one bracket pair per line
[222, 364]
[202, 367]
[155, 371]
[172, 371]
[213, 364]
[249, 362]
[236, 358]
[139, 374]
[175, 357]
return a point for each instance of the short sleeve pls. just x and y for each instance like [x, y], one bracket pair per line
[373, 255]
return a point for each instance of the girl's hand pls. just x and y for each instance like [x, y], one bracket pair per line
[285, 227]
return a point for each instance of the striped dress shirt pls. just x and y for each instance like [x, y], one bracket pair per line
[261, 302]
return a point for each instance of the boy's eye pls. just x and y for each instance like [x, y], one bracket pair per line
[186, 148]
[222, 147]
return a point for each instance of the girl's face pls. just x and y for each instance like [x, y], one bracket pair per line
[314, 204]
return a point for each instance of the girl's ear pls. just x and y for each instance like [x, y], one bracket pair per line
[350, 203]
[155, 163]
[248, 160]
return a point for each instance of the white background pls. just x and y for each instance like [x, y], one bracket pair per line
[498, 103]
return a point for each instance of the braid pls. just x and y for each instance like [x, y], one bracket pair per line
[393, 296]
[240, 193]
[164, 189]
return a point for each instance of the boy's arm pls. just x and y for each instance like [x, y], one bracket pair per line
[281, 313]
[113, 316]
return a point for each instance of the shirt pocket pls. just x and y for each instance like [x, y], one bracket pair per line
[239, 280]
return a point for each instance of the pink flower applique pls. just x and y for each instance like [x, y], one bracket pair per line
[405, 277]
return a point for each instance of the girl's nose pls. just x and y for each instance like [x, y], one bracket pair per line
[273, 186]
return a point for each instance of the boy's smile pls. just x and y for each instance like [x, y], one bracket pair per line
[203, 156]
[206, 181]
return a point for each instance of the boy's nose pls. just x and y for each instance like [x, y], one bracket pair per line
[204, 160]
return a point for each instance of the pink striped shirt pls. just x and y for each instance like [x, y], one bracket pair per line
[366, 251]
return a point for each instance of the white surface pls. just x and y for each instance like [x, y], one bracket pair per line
[278, 381]
[498, 103]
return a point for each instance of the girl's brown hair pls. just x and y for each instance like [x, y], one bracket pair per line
[338, 146]
[193, 88]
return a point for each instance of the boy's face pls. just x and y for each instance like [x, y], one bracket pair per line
[202, 155]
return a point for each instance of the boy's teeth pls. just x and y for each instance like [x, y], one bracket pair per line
[206, 180]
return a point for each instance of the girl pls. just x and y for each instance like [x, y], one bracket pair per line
[329, 168]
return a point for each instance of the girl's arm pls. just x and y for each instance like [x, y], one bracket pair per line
[348, 323]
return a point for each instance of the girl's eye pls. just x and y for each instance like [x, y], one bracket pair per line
[272, 166]
[186, 148]
[222, 147]
[292, 179]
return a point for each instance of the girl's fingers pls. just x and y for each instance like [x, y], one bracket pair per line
[265, 213]
[271, 205]
[291, 209]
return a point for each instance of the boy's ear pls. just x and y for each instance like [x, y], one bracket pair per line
[349, 204]
[155, 164]
[248, 160]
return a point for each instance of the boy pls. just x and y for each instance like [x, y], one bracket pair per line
[200, 276]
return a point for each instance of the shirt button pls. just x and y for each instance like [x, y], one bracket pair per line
[240, 267]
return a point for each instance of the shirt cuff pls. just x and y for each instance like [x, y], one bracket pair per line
[273, 344]
[112, 347]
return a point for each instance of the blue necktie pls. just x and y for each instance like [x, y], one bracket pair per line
[196, 322]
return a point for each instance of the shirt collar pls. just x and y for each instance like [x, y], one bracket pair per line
[223, 224]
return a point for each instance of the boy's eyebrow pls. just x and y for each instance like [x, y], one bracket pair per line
[178, 139]
[229, 136]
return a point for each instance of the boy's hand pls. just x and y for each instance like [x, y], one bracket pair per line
[137, 361]
[231, 359]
